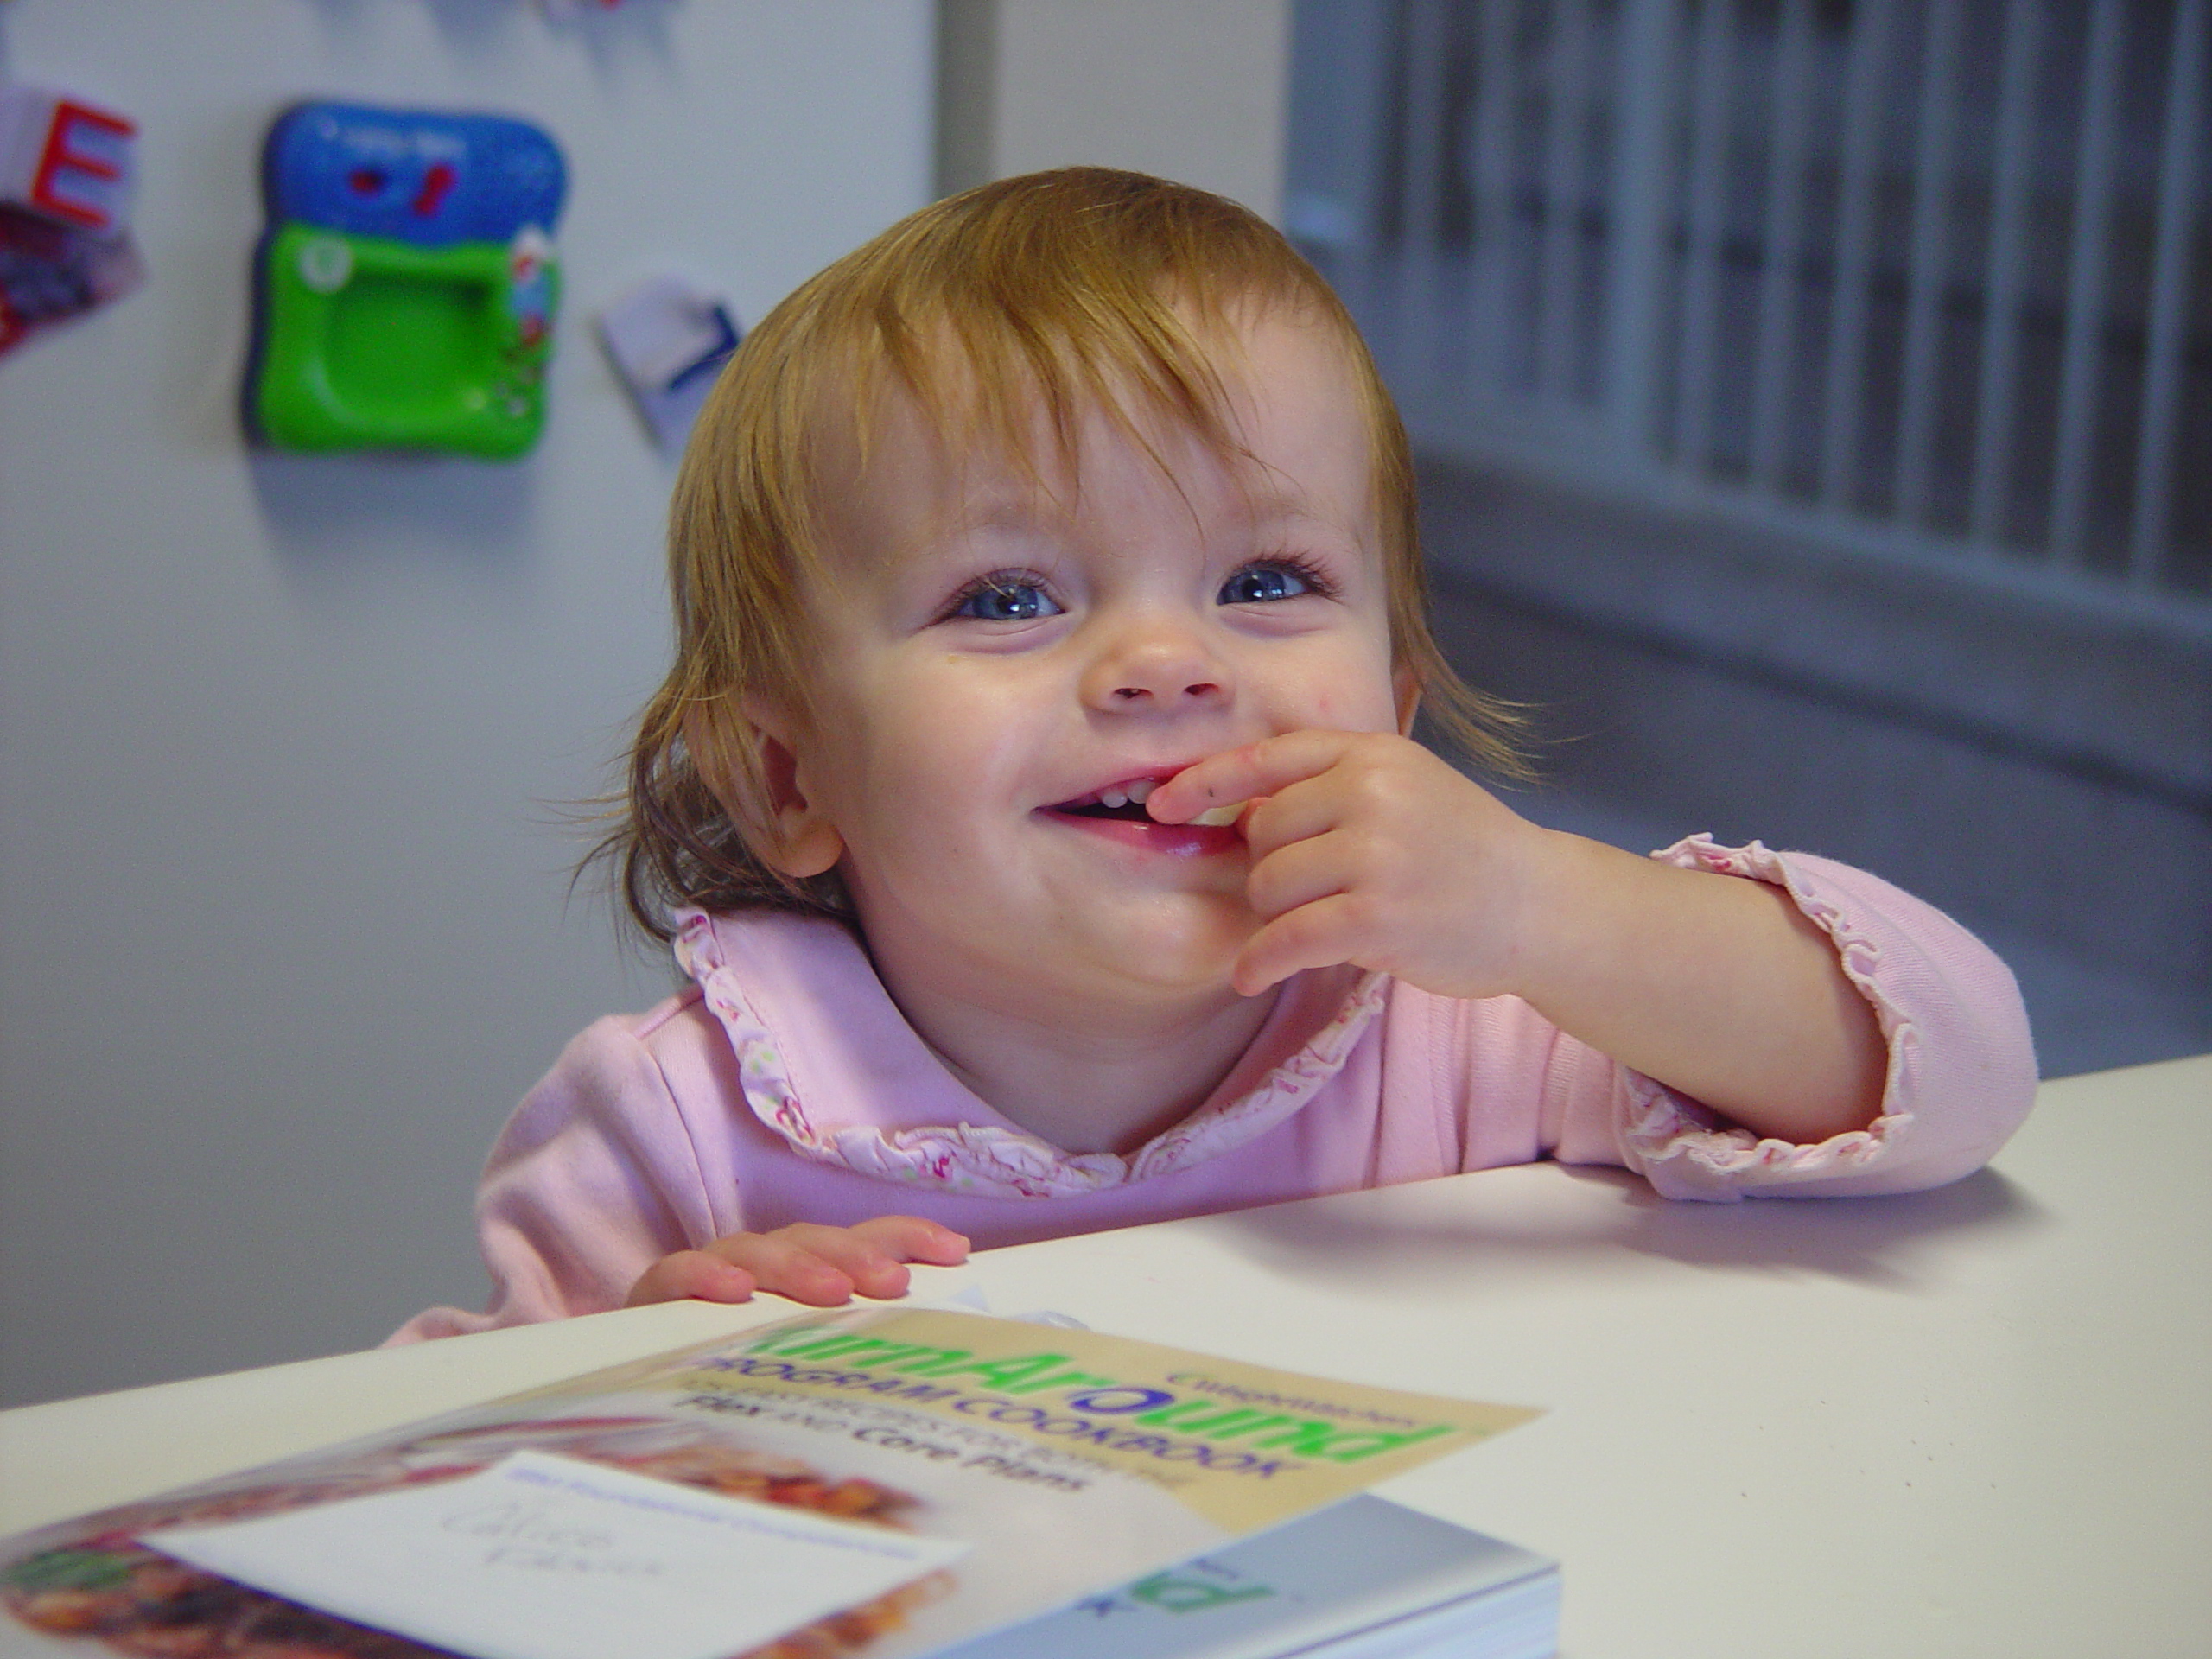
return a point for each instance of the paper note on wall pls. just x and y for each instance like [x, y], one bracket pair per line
[542, 1557]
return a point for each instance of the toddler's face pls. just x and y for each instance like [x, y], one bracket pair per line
[999, 667]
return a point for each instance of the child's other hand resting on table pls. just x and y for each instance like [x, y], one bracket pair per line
[1367, 848]
[823, 1267]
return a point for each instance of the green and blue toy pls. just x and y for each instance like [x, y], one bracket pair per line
[406, 284]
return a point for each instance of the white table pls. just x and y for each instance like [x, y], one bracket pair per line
[1973, 1422]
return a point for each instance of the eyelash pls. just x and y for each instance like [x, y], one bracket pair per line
[1318, 585]
[998, 581]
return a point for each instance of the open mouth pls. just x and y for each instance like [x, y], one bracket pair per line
[1121, 801]
[1125, 804]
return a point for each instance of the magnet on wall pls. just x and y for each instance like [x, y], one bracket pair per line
[406, 284]
[67, 168]
[667, 340]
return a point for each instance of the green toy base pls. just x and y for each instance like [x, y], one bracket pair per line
[368, 343]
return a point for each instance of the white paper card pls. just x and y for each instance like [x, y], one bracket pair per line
[541, 1557]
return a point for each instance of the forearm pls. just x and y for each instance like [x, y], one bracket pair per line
[1367, 848]
[1717, 986]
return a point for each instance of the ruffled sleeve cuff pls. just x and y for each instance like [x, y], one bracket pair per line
[1961, 1071]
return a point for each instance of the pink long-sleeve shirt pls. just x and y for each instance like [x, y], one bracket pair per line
[785, 1085]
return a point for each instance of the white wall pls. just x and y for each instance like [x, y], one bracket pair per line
[1192, 90]
[283, 741]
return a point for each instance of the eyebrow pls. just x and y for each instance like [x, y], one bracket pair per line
[1011, 510]
[1274, 505]
[1002, 512]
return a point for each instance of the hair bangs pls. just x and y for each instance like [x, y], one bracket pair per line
[1119, 303]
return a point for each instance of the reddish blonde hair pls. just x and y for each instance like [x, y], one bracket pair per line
[1055, 293]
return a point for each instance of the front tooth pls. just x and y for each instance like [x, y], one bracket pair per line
[1140, 792]
[1112, 798]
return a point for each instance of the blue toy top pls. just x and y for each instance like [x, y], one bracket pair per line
[413, 175]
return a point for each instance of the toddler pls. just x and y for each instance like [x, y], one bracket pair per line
[1031, 809]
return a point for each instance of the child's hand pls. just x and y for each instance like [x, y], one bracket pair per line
[1367, 848]
[819, 1265]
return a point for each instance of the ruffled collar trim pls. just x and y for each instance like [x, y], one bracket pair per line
[980, 1152]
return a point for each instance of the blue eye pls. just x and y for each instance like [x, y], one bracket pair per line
[1260, 584]
[1003, 599]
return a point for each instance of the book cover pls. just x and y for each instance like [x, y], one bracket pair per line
[1069, 1462]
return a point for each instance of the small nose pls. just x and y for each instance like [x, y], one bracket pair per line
[1156, 666]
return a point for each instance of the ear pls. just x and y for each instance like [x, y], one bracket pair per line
[1405, 685]
[786, 828]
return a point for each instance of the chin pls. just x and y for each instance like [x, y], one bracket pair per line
[1184, 954]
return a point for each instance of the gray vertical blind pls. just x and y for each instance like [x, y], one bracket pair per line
[1928, 273]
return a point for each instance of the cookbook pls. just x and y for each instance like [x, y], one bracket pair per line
[879, 1484]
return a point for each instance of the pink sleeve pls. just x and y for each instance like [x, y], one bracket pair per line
[1961, 1065]
[593, 1180]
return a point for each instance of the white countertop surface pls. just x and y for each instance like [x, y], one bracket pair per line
[1972, 1421]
